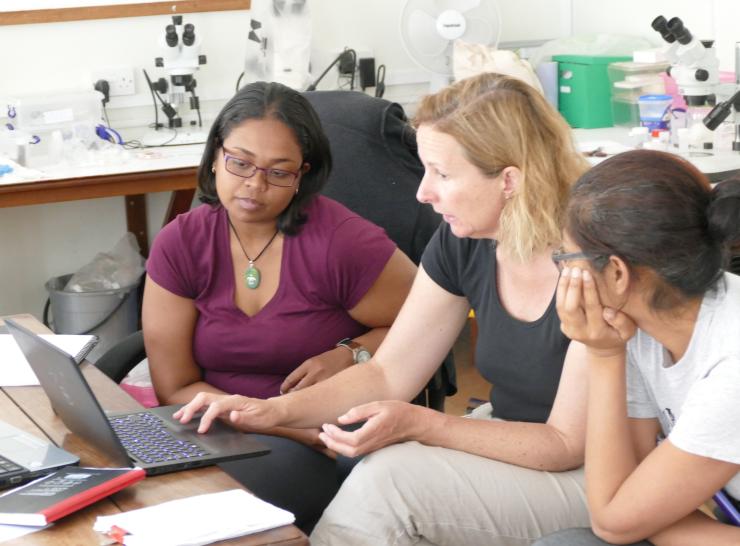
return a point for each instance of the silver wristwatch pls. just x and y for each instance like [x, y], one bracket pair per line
[359, 353]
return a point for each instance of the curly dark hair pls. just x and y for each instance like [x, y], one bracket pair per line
[260, 100]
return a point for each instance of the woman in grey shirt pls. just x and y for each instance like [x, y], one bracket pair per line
[646, 243]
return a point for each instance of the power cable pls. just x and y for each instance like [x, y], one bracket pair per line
[342, 56]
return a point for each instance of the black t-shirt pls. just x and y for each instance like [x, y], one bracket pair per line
[522, 360]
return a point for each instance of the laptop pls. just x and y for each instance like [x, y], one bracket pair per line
[24, 456]
[150, 439]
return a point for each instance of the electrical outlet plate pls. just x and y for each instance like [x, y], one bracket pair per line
[120, 79]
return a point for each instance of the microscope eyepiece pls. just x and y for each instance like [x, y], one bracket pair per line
[188, 35]
[170, 35]
[660, 25]
[682, 34]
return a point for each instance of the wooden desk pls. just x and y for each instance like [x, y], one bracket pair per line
[134, 185]
[28, 408]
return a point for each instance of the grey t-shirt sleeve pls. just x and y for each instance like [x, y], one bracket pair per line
[640, 403]
[710, 418]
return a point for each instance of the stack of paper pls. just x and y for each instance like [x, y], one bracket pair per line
[8, 532]
[193, 521]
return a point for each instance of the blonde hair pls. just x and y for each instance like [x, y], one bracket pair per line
[501, 122]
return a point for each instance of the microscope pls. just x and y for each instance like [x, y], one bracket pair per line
[695, 67]
[694, 63]
[721, 112]
[180, 58]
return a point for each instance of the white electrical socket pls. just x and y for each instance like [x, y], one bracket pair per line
[120, 79]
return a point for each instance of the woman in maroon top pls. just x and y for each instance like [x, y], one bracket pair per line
[250, 293]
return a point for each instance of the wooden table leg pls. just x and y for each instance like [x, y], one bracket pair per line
[136, 220]
[179, 202]
[136, 223]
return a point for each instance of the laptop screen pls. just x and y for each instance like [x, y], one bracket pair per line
[69, 393]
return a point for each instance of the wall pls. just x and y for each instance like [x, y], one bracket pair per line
[712, 19]
[38, 242]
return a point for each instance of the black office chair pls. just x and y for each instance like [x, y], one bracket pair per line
[376, 174]
[117, 361]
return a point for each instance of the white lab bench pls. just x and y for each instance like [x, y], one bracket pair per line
[142, 171]
[718, 165]
[174, 168]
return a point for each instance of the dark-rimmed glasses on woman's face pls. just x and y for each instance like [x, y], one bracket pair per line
[246, 169]
[559, 257]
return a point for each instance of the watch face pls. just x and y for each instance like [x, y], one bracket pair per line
[363, 355]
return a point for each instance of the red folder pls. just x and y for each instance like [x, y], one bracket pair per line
[54, 496]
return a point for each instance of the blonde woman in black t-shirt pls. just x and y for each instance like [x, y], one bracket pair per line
[499, 162]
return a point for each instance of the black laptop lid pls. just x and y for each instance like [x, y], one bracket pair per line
[69, 393]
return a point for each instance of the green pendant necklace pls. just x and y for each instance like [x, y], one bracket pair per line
[252, 275]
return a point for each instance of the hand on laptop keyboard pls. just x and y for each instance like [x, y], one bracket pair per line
[248, 414]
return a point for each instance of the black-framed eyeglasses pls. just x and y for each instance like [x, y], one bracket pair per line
[559, 257]
[246, 169]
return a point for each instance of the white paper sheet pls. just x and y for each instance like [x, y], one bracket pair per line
[8, 532]
[193, 521]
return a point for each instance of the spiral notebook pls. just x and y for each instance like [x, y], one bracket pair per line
[14, 368]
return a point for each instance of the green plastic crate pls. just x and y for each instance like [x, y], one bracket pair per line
[584, 89]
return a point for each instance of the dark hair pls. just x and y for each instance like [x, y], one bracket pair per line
[260, 100]
[656, 210]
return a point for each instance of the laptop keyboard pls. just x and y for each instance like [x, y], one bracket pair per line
[145, 436]
[8, 467]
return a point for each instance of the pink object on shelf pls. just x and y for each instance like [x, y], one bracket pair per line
[725, 76]
[672, 89]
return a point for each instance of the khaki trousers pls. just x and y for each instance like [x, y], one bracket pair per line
[415, 494]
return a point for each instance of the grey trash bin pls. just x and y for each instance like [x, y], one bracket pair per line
[109, 314]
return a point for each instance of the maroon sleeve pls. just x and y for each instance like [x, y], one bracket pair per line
[169, 264]
[358, 252]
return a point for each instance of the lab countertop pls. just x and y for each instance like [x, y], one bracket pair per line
[111, 162]
[717, 165]
[116, 160]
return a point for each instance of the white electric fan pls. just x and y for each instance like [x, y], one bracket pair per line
[429, 28]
